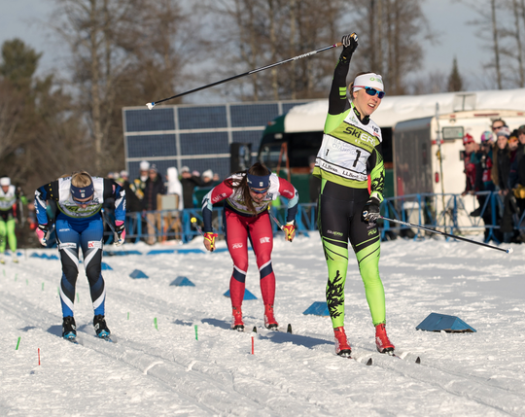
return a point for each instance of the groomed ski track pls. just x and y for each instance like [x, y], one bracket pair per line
[168, 372]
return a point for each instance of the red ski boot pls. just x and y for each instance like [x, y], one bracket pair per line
[342, 348]
[383, 344]
[269, 319]
[237, 323]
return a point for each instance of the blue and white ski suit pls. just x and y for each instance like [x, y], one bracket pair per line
[78, 227]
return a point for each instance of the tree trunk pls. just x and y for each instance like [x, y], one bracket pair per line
[495, 38]
[518, 42]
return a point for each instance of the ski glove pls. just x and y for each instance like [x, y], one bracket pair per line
[41, 233]
[210, 237]
[289, 231]
[349, 46]
[371, 210]
[120, 230]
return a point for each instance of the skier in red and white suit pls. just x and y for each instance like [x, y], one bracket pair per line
[248, 195]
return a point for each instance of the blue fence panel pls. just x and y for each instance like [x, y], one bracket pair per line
[417, 209]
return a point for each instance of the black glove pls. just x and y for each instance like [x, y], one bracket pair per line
[371, 210]
[349, 46]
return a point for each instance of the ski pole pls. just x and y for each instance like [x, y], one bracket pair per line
[115, 234]
[326, 48]
[446, 234]
[279, 225]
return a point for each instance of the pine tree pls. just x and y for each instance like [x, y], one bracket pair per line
[455, 82]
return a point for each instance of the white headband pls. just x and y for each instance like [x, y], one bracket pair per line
[369, 80]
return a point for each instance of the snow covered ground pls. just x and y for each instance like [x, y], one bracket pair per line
[165, 371]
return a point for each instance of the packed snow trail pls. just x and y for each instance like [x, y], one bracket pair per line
[168, 372]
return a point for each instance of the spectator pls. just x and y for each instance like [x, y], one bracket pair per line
[497, 124]
[516, 199]
[209, 179]
[189, 182]
[136, 195]
[172, 218]
[513, 145]
[487, 142]
[500, 176]
[473, 170]
[175, 186]
[11, 198]
[154, 187]
[501, 162]
[122, 177]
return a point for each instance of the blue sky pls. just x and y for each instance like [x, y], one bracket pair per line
[25, 19]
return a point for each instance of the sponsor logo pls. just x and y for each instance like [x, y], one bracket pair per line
[264, 240]
[352, 131]
[334, 233]
[365, 137]
[288, 193]
[67, 245]
[63, 230]
[94, 244]
[237, 246]
[372, 232]
[217, 198]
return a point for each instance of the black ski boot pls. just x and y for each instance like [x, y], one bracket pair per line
[101, 328]
[69, 328]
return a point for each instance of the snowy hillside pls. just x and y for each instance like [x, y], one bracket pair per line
[163, 370]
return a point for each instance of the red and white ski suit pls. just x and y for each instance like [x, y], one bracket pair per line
[241, 225]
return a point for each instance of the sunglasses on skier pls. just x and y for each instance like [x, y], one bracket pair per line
[372, 92]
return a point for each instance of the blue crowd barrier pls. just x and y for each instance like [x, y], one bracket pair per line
[422, 209]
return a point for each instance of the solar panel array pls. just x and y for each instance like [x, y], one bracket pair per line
[197, 136]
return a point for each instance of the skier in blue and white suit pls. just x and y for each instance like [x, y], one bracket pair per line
[79, 200]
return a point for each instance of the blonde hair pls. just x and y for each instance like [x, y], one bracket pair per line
[81, 179]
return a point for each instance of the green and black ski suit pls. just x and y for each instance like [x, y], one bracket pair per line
[351, 150]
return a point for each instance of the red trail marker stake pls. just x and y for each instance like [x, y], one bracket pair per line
[253, 345]
[38, 356]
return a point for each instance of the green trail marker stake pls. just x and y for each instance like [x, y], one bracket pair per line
[18, 343]
[78, 298]
[155, 323]
[128, 316]
[58, 291]
[196, 333]
[42, 286]
[4, 272]
[16, 277]
[27, 282]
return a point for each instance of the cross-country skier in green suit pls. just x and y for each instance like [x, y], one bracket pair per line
[351, 150]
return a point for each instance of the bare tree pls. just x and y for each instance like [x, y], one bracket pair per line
[490, 14]
[254, 33]
[122, 51]
[392, 35]
[11, 114]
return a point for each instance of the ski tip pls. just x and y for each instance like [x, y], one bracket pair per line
[418, 360]
[254, 330]
[369, 362]
[289, 329]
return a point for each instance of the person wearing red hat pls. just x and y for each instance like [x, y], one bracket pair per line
[473, 170]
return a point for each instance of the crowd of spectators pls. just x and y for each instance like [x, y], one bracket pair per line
[497, 163]
[142, 193]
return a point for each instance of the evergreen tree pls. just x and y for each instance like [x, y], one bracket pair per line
[455, 82]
